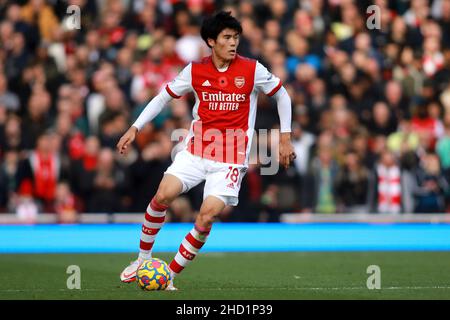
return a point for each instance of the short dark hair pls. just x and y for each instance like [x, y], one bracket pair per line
[212, 26]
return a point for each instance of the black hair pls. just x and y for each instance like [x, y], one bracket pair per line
[212, 26]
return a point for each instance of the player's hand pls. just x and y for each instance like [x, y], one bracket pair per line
[287, 153]
[126, 139]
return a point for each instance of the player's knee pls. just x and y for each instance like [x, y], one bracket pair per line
[162, 197]
[207, 216]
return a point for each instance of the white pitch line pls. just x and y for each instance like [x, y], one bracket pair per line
[254, 289]
[47, 290]
[329, 289]
[318, 289]
[386, 288]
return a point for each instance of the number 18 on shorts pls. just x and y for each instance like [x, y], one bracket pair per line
[223, 180]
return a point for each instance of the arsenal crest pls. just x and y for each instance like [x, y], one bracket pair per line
[239, 82]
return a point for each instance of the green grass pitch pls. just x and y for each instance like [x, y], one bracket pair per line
[219, 276]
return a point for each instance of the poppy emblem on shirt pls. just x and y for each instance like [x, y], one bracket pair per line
[223, 82]
[239, 82]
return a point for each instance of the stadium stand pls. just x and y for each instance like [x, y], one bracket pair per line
[371, 107]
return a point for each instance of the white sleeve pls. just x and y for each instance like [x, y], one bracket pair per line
[182, 83]
[152, 109]
[284, 109]
[265, 81]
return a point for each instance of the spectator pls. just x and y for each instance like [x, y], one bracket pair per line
[443, 151]
[7, 98]
[65, 204]
[352, 185]
[383, 121]
[152, 163]
[38, 119]
[298, 49]
[190, 46]
[106, 185]
[82, 171]
[403, 140]
[387, 182]
[42, 171]
[426, 127]
[26, 207]
[8, 180]
[318, 190]
[409, 162]
[11, 137]
[433, 59]
[17, 58]
[38, 14]
[417, 13]
[251, 204]
[396, 100]
[408, 72]
[430, 186]
[302, 143]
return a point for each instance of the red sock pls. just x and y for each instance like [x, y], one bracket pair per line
[189, 248]
[154, 219]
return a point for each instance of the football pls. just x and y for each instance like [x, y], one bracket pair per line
[153, 274]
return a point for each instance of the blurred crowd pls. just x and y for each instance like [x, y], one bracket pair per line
[371, 107]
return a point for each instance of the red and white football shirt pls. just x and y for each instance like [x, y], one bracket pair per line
[225, 106]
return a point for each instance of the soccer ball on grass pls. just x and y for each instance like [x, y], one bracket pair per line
[153, 274]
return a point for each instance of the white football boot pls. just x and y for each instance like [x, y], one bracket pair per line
[129, 274]
[171, 287]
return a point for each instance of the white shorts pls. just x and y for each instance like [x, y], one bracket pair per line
[223, 180]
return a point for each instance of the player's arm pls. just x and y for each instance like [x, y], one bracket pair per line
[151, 110]
[178, 87]
[272, 86]
[286, 150]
